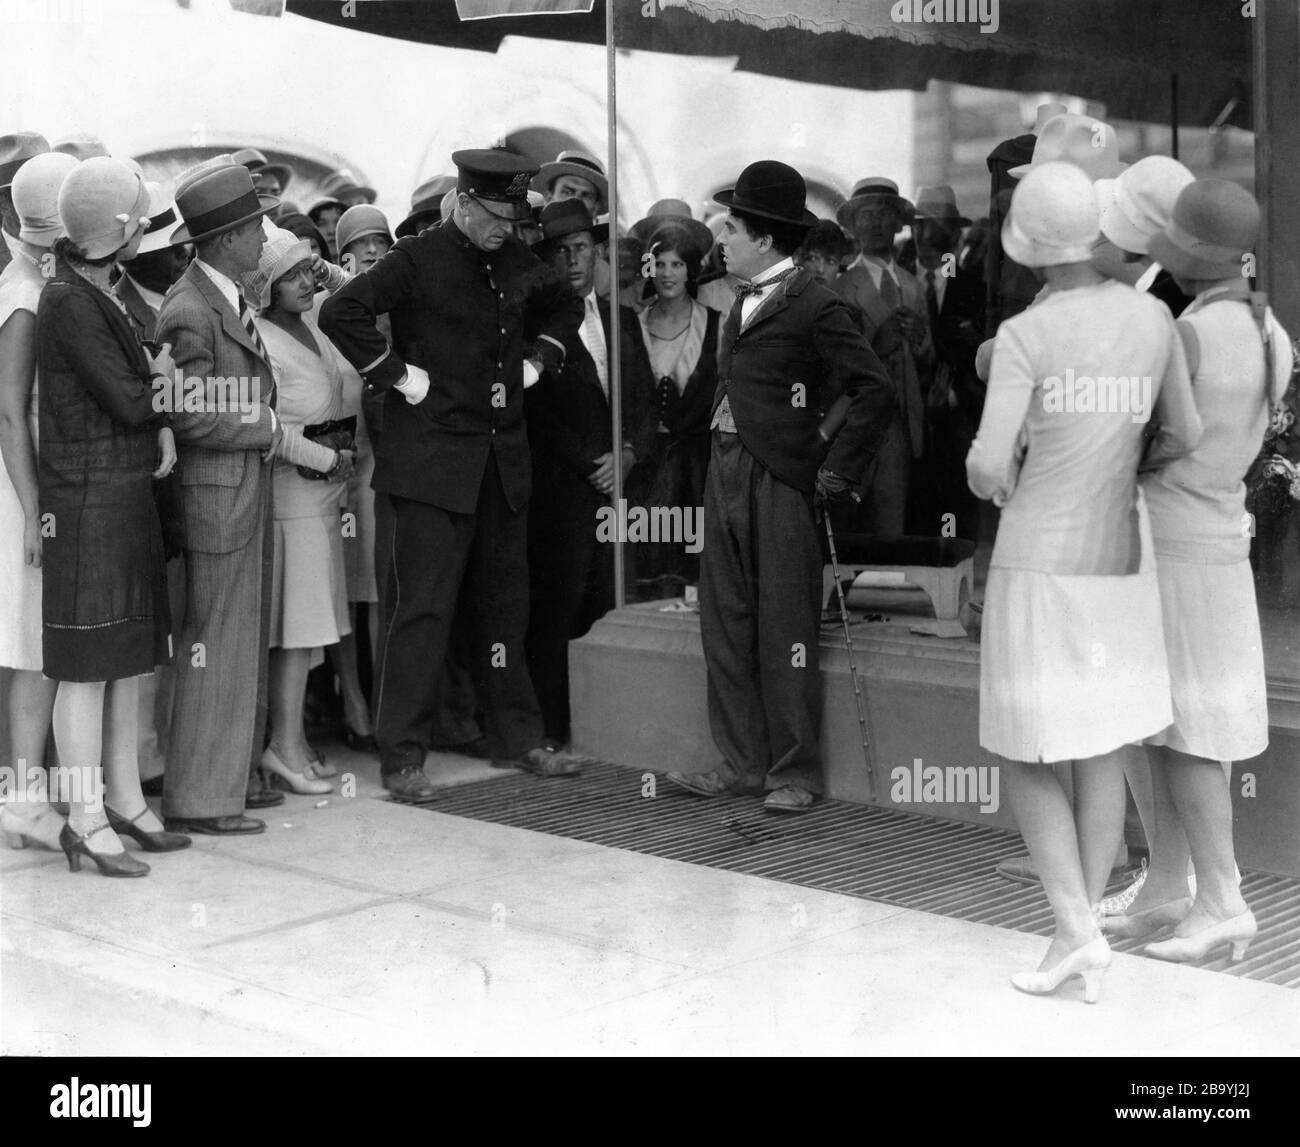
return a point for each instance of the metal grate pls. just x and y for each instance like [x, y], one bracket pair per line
[900, 858]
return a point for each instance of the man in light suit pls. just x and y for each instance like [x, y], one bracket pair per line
[224, 487]
[893, 304]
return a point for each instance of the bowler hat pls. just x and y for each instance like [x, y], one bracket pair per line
[425, 201]
[1215, 223]
[16, 149]
[576, 163]
[771, 190]
[568, 217]
[1141, 201]
[35, 193]
[217, 201]
[1053, 217]
[870, 192]
[258, 164]
[497, 178]
[939, 204]
[674, 212]
[1079, 139]
[358, 222]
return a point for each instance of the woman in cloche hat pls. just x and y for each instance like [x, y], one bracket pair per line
[1072, 611]
[1240, 360]
[35, 193]
[104, 438]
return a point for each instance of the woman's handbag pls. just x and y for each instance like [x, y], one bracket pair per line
[338, 434]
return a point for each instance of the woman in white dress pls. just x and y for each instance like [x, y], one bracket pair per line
[309, 608]
[35, 193]
[1240, 361]
[1072, 658]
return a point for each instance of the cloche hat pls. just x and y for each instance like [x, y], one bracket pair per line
[1142, 200]
[103, 203]
[1214, 224]
[35, 193]
[1053, 217]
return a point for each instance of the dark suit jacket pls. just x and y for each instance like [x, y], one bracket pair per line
[219, 471]
[568, 413]
[459, 313]
[957, 336]
[804, 344]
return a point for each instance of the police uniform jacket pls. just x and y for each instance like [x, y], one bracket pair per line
[460, 314]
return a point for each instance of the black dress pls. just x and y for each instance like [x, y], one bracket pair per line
[104, 593]
[673, 475]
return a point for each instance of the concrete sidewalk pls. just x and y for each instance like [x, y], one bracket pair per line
[369, 928]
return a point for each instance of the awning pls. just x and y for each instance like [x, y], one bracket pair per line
[1122, 53]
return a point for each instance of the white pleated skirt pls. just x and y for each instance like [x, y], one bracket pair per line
[1216, 661]
[1072, 667]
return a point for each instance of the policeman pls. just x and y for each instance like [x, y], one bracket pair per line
[454, 460]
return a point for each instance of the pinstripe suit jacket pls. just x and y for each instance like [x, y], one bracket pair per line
[220, 473]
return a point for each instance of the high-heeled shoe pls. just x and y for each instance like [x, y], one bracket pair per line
[149, 841]
[1089, 961]
[359, 742]
[317, 769]
[1135, 925]
[1238, 931]
[284, 777]
[41, 830]
[109, 863]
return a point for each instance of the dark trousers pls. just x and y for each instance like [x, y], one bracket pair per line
[433, 551]
[884, 490]
[760, 611]
[572, 587]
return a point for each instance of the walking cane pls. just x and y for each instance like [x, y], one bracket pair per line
[830, 425]
[858, 696]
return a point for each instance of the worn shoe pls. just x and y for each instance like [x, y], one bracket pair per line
[713, 784]
[259, 793]
[410, 786]
[789, 799]
[545, 761]
[215, 825]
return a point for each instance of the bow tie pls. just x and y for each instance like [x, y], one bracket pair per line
[745, 290]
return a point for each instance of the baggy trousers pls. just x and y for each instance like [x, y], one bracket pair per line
[433, 551]
[760, 615]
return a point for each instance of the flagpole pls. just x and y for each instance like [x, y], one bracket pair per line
[615, 341]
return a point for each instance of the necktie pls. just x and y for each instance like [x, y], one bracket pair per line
[931, 299]
[593, 338]
[746, 289]
[246, 317]
[889, 291]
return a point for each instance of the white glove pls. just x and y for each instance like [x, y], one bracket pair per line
[531, 373]
[415, 385]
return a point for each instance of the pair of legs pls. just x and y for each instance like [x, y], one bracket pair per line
[96, 731]
[31, 705]
[1189, 807]
[356, 708]
[287, 688]
[1072, 848]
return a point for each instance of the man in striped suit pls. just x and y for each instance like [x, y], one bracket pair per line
[224, 486]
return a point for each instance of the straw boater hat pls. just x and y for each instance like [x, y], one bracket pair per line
[771, 190]
[1079, 139]
[1214, 225]
[577, 163]
[162, 219]
[102, 203]
[870, 192]
[258, 164]
[218, 200]
[939, 205]
[15, 150]
[425, 201]
[567, 217]
[35, 192]
[1053, 217]
[282, 252]
[1140, 202]
[358, 222]
[674, 213]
